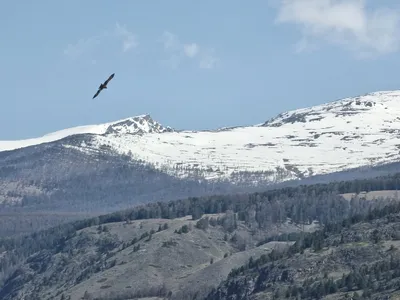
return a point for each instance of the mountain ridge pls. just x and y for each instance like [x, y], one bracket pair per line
[119, 164]
[139, 124]
[357, 131]
[102, 128]
[352, 128]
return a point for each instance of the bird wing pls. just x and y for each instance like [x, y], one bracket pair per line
[109, 78]
[97, 93]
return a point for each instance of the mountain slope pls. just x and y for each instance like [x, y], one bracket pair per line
[163, 261]
[135, 125]
[101, 168]
[356, 259]
[158, 248]
[67, 184]
[355, 131]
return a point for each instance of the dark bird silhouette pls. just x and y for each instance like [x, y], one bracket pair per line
[103, 85]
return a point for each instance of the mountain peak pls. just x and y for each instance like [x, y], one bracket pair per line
[368, 105]
[136, 125]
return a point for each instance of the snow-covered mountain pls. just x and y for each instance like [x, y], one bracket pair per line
[135, 125]
[331, 137]
[103, 168]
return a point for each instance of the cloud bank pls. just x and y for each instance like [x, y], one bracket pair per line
[177, 51]
[346, 23]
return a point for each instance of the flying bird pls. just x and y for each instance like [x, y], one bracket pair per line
[103, 85]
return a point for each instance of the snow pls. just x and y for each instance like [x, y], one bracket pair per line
[139, 121]
[348, 135]
[334, 136]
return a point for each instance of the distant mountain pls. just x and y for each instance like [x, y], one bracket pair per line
[135, 125]
[354, 131]
[100, 168]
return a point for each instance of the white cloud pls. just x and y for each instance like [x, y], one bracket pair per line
[191, 50]
[82, 46]
[208, 63]
[119, 33]
[172, 45]
[208, 60]
[128, 38]
[171, 41]
[347, 23]
[178, 51]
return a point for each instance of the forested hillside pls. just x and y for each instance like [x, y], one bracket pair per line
[46, 185]
[290, 208]
[356, 258]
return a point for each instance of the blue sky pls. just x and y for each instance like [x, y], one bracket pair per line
[190, 65]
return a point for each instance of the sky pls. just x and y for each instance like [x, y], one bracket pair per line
[190, 65]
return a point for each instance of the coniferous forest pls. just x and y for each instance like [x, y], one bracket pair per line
[304, 204]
